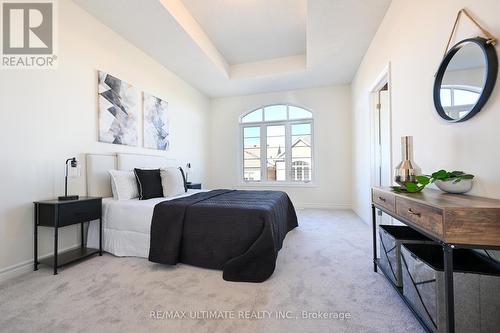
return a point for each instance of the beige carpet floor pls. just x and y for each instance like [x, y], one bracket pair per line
[324, 267]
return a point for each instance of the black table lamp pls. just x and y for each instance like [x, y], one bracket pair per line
[74, 163]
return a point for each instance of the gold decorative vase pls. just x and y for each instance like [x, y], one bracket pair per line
[407, 170]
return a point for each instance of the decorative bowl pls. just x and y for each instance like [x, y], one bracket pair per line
[450, 186]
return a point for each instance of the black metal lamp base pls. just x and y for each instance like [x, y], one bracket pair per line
[68, 197]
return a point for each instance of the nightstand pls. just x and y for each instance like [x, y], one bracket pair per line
[57, 214]
[193, 186]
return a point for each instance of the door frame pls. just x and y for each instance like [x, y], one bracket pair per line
[382, 79]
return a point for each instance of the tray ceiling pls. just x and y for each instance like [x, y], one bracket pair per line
[237, 47]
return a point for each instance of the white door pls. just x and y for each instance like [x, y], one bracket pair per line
[383, 171]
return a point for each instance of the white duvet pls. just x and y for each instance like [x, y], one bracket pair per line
[126, 225]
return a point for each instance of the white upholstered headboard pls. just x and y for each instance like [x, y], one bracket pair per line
[98, 179]
[98, 166]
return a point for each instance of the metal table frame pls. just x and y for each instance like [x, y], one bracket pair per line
[447, 261]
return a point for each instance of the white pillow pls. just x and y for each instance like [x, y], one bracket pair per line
[123, 185]
[172, 182]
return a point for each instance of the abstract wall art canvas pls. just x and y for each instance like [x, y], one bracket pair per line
[118, 111]
[156, 133]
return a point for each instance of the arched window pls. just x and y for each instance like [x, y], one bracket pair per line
[277, 144]
[459, 100]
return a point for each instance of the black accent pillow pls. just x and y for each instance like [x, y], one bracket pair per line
[149, 183]
[184, 178]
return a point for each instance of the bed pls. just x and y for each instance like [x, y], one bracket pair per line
[238, 232]
[126, 226]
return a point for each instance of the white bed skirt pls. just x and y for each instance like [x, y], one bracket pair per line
[121, 243]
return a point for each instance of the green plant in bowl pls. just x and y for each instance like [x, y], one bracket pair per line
[453, 182]
[447, 181]
[454, 176]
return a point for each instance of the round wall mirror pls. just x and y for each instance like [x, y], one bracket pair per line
[465, 79]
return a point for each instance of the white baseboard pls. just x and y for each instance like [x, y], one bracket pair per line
[16, 270]
[314, 205]
[356, 211]
[25, 266]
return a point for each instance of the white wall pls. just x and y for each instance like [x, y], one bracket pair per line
[332, 139]
[47, 116]
[412, 37]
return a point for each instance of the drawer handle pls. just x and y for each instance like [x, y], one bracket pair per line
[413, 213]
[382, 199]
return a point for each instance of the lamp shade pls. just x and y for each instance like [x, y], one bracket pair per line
[74, 170]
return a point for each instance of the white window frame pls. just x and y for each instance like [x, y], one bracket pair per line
[263, 144]
[459, 108]
[300, 167]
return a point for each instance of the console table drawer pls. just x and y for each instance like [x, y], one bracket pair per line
[427, 217]
[384, 199]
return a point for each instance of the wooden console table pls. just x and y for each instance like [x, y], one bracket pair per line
[453, 220]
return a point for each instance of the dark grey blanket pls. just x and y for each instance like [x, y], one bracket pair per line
[239, 232]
